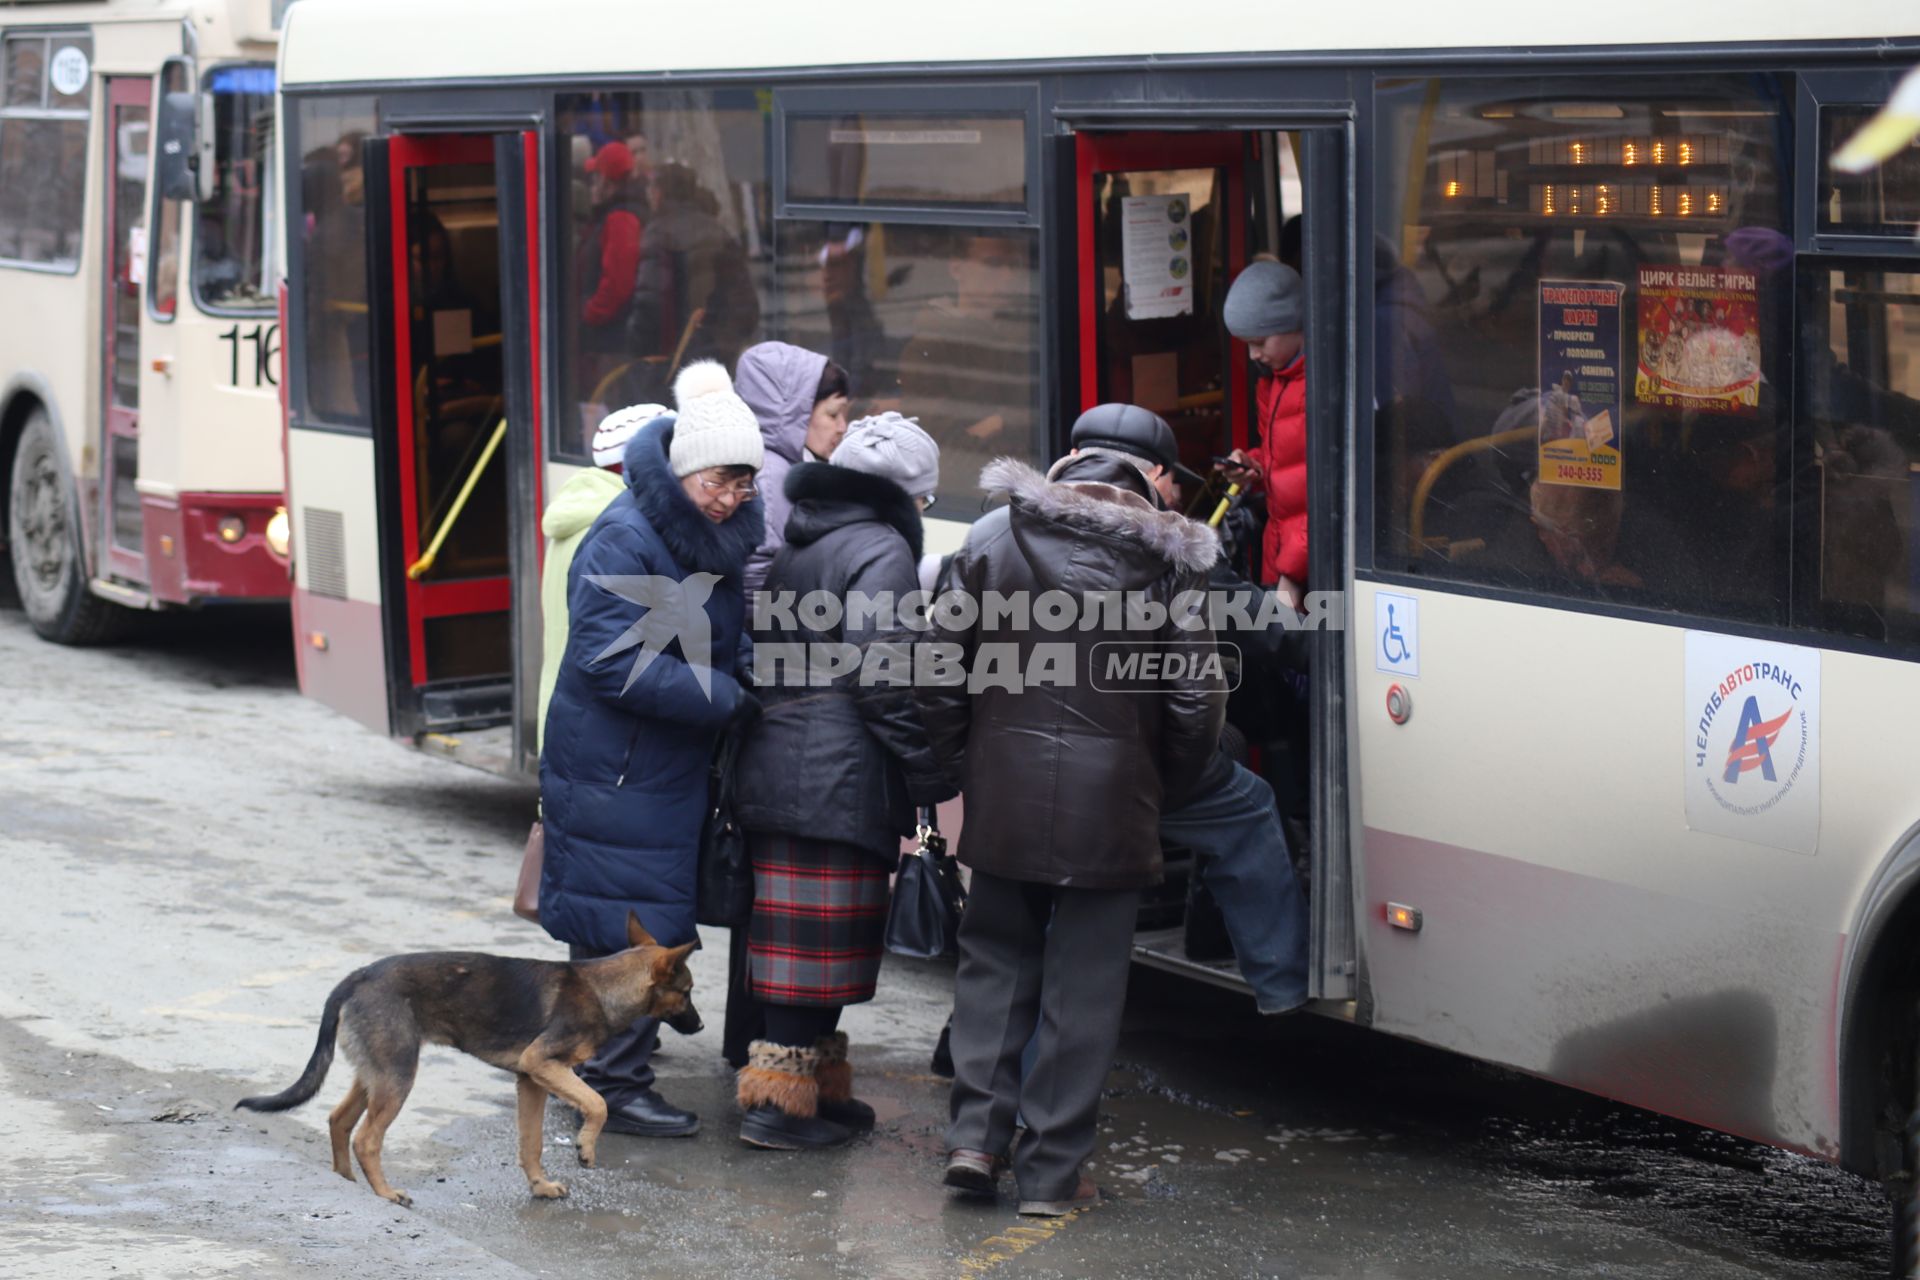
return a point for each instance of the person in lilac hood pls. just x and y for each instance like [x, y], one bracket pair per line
[800, 399]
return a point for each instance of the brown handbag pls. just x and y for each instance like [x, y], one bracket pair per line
[526, 895]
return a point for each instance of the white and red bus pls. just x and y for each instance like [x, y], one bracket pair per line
[1612, 390]
[140, 450]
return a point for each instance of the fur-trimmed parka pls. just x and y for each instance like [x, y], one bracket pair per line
[847, 761]
[623, 776]
[1064, 779]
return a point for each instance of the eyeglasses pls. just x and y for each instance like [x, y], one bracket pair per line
[926, 500]
[741, 489]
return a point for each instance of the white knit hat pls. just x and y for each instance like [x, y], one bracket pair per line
[611, 436]
[715, 428]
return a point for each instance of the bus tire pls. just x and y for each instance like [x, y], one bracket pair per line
[1905, 1190]
[45, 542]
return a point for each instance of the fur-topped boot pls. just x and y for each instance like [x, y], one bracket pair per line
[779, 1090]
[835, 1075]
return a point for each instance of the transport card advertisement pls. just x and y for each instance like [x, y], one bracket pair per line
[1580, 383]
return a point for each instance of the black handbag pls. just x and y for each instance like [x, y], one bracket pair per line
[924, 919]
[724, 895]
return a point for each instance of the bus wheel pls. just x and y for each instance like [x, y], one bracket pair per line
[1906, 1204]
[44, 537]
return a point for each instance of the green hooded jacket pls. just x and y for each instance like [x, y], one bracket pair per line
[572, 512]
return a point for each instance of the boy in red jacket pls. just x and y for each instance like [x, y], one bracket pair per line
[1265, 309]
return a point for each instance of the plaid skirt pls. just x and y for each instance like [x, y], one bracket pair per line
[819, 921]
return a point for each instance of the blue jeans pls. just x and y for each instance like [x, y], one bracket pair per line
[1235, 833]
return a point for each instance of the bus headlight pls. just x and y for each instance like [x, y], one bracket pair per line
[231, 529]
[279, 532]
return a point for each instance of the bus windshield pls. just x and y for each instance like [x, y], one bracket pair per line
[230, 240]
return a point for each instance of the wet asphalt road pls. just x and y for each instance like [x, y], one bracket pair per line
[191, 856]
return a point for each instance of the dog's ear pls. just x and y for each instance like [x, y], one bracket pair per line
[637, 935]
[670, 959]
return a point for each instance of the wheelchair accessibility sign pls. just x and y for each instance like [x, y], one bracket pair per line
[1396, 634]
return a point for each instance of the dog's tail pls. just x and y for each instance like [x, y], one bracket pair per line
[316, 1073]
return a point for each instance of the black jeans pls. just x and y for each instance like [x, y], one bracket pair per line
[623, 1069]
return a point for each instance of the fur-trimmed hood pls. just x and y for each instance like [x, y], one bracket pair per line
[826, 497]
[697, 543]
[1147, 542]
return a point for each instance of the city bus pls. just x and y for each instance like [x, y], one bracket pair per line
[1611, 388]
[140, 451]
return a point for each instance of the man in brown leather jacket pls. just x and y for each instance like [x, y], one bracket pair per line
[1064, 779]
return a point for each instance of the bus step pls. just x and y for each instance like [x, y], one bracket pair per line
[488, 750]
[1167, 949]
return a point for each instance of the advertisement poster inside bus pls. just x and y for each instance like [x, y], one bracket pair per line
[1580, 383]
[1752, 744]
[1699, 339]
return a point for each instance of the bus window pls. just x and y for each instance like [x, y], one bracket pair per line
[334, 267]
[230, 235]
[163, 266]
[456, 381]
[940, 323]
[666, 206]
[43, 148]
[1171, 359]
[1582, 300]
[1883, 201]
[1860, 394]
[930, 161]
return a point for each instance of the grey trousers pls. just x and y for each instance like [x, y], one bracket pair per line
[623, 1069]
[1037, 959]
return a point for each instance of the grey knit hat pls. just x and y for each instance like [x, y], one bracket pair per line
[891, 446]
[1267, 298]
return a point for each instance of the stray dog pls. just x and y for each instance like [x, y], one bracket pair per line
[535, 1018]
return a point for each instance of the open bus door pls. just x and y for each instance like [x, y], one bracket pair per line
[128, 151]
[454, 338]
[1164, 221]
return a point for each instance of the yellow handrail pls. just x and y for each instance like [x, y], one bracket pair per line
[419, 568]
[1417, 515]
[1220, 512]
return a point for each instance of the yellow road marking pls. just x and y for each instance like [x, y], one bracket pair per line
[201, 1005]
[1011, 1243]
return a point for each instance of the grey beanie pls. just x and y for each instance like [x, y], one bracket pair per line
[1267, 298]
[891, 446]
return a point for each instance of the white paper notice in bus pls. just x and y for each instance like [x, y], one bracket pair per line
[453, 332]
[137, 255]
[1156, 256]
[1752, 752]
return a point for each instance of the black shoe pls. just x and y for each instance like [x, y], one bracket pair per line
[942, 1064]
[852, 1114]
[652, 1116]
[769, 1127]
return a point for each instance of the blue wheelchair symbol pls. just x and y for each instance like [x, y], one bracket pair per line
[1392, 639]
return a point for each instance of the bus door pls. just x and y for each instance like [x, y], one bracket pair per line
[127, 152]
[1164, 222]
[456, 284]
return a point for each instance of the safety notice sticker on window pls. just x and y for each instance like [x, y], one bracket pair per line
[1752, 754]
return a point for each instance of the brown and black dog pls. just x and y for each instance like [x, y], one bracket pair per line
[535, 1018]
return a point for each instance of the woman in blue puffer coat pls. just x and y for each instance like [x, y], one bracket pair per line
[656, 651]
